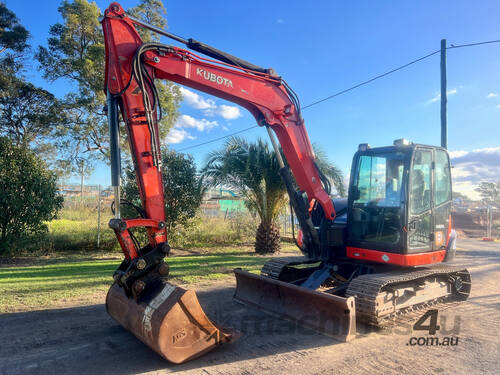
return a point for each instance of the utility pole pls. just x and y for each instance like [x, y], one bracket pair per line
[444, 124]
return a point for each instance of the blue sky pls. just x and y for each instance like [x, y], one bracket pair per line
[321, 47]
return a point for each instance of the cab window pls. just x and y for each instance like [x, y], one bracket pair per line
[377, 189]
[420, 185]
[379, 180]
[442, 185]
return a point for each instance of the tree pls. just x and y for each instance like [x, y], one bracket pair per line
[13, 39]
[13, 35]
[29, 194]
[75, 52]
[331, 171]
[29, 115]
[458, 195]
[490, 192]
[183, 189]
[252, 170]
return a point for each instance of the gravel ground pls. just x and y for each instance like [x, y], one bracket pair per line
[84, 340]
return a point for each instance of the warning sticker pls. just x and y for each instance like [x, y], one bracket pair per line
[439, 238]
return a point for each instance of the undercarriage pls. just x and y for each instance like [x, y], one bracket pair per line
[383, 295]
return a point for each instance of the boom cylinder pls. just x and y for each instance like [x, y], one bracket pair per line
[114, 149]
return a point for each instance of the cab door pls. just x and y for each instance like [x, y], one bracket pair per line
[420, 211]
[442, 198]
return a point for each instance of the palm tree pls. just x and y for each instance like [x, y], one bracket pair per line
[330, 170]
[252, 170]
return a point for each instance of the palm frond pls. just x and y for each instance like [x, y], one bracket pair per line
[330, 170]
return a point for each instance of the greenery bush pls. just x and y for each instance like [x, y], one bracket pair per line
[28, 196]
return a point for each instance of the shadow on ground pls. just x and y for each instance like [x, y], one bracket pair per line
[86, 340]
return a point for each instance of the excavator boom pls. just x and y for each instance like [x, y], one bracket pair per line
[165, 317]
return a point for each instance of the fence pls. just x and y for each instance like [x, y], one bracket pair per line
[83, 220]
[233, 208]
[479, 222]
[82, 224]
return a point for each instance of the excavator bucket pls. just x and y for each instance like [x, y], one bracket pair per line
[168, 319]
[328, 314]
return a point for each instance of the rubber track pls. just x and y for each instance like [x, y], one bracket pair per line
[366, 288]
[272, 268]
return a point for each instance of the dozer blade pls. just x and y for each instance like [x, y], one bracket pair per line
[168, 319]
[328, 314]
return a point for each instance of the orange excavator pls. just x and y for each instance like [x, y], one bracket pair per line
[374, 257]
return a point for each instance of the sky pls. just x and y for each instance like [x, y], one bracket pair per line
[322, 47]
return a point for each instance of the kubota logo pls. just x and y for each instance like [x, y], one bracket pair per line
[212, 77]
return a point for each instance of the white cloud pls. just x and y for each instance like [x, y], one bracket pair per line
[229, 112]
[457, 154]
[472, 167]
[186, 121]
[209, 107]
[498, 106]
[492, 95]
[196, 101]
[438, 96]
[177, 135]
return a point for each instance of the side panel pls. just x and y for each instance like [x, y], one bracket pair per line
[406, 260]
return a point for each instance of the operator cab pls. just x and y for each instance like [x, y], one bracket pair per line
[399, 203]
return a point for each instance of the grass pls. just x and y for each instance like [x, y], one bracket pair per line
[62, 281]
[77, 230]
[63, 268]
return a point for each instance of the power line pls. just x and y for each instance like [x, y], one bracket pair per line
[473, 44]
[324, 99]
[373, 79]
[352, 88]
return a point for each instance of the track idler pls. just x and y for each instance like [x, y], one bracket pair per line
[167, 318]
[326, 313]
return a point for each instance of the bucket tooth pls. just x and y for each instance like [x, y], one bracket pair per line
[326, 313]
[168, 319]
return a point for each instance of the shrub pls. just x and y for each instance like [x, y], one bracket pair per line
[28, 195]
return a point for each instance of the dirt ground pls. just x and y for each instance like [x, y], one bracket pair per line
[84, 340]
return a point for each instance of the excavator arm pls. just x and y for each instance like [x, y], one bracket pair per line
[132, 66]
[167, 318]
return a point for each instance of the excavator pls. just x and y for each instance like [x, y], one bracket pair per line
[376, 257]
